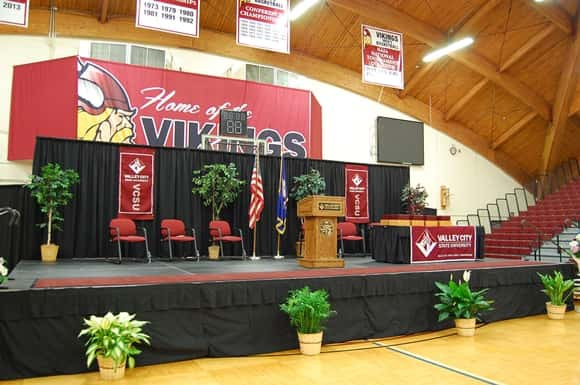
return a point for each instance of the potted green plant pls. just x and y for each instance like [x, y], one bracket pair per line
[51, 190]
[111, 341]
[414, 199]
[3, 271]
[555, 287]
[308, 184]
[218, 186]
[303, 186]
[308, 311]
[457, 301]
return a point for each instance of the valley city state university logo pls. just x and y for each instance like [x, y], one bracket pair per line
[137, 166]
[357, 180]
[426, 243]
[326, 227]
[104, 111]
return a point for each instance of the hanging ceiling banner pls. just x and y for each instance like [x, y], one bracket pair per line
[14, 12]
[264, 24]
[173, 16]
[382, 57]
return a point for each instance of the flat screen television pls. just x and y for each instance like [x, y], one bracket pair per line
[399, 141]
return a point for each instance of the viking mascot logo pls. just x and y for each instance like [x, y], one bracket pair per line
[104, 109]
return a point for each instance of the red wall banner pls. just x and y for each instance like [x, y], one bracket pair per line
[356, 183]
[122, 103]
[136, 182]
[442, 244]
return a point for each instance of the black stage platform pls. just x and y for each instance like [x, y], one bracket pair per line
[231, 308]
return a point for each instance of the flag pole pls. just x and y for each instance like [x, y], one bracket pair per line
[254, 257]
[278, 256]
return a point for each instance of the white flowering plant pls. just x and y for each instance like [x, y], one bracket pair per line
[458, 301]
[3, 271]
[113, 336]
[575, 247]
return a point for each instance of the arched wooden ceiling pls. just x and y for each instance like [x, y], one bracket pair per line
[514, 96]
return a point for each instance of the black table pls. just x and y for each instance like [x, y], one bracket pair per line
[392, 244]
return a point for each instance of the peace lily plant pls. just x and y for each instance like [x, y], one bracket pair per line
[459, 302]
[112, 338]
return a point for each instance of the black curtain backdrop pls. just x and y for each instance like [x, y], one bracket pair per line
[95, 200]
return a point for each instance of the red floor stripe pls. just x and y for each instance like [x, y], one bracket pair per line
[258, 276]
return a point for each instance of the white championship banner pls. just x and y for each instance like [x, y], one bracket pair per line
[173, 16]
[382, 57]
[264, 24]
[14, 12]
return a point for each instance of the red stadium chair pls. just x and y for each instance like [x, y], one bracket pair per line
[124, 230]
[220, 231]
[173, 230]
[347, 232]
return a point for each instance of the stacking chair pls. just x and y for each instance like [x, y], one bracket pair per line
[173, 230]
[220, 231]
[124, 230]
[347, 232]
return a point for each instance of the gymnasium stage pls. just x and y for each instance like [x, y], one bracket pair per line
[231, 307]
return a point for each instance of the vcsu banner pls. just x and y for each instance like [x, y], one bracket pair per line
[136, 178]
[442, 244]
[111, 102]
[356, 181]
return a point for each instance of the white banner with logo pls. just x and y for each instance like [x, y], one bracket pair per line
[14, 12]
[173, 16]
[264, 24]
[382, 57]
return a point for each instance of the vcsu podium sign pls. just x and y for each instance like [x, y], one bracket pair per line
[320, 230]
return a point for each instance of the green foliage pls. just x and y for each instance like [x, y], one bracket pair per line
[555, 287]
[414, 199]
[51, 190]
[458, 301]
[217, 185]
[3, 271]
[113, 336]
[308, 310]
[308, 184]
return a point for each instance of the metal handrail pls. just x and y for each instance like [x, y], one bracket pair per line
[541, 236]
[14, 215]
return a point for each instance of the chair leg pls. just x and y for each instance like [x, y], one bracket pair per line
[341, 251]
[195, 244]
[244, 255]
[148, 253]
[170, 245]
[362, 231]
[222, 249]
[119, 250]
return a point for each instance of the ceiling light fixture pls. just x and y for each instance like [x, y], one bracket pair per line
[456, 45]
[299, 10]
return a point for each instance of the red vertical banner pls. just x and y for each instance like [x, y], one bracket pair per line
[136, 182]
[356, 185]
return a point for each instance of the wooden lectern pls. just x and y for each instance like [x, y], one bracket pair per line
[320, 213]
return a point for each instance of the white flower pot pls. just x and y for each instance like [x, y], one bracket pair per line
[465, 326]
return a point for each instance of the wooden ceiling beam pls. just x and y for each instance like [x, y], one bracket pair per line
[104, 11]
[555, 14]
[526, 47]
[561, 109]
[520, 124]
[474, 20]
[384, 15]
[465, 99]
[575, 105]
[218, 43]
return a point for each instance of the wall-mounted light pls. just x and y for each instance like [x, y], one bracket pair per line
[301, 8]
[452, 47]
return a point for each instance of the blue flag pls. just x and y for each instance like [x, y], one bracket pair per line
[282, 200]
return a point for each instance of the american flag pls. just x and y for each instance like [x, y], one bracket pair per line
[256, 194]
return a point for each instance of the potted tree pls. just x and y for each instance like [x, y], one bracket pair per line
[308, 310]
[111, 341]
[414, 199]
[303, 186]
[461, 304]
[218, 186]
[555, 287]
[51, 190]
